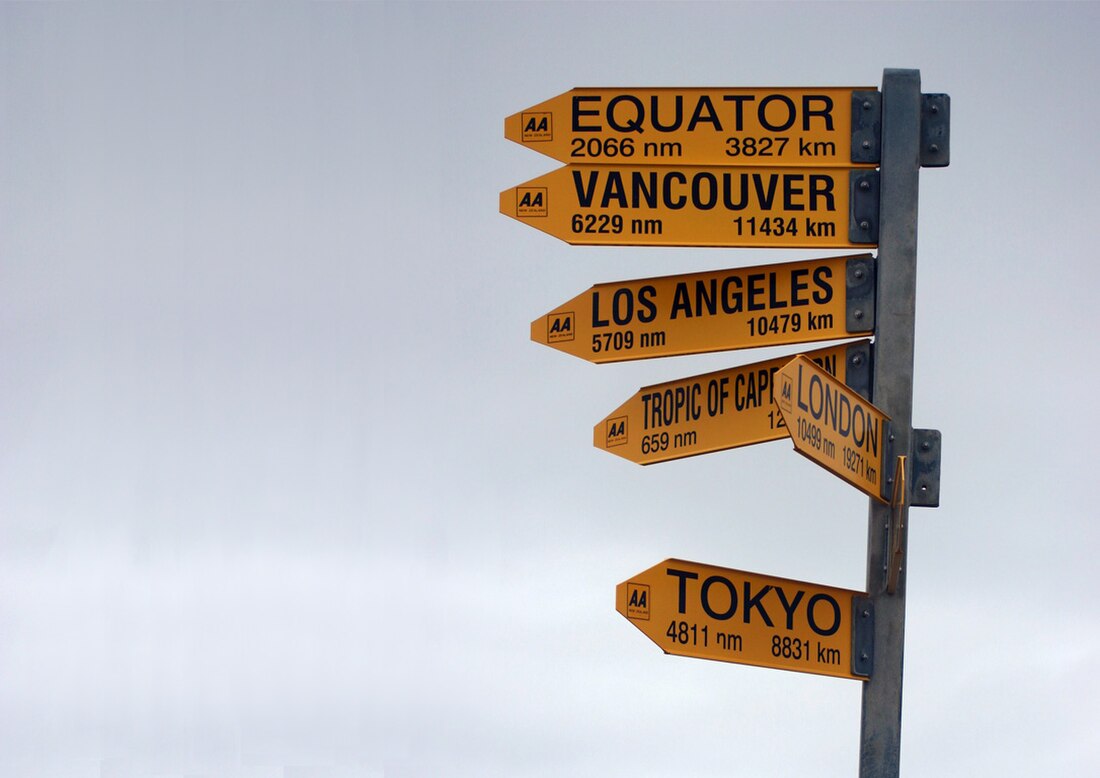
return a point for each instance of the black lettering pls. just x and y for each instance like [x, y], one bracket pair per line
[844, 420]
[815, 380]
[731, 301]
[789, 607]
[812, 619]
[798, 383]
[764, 384]
[756, 291]
[821, 186]
[614, 189]
[578, 112]
[622, 306]
[696, 191]
[797, 287]
[630, 126]
[739, 109]
[861, 417]
[681, 303]
[825, 112]
[727, 192]
[684, 576]
[771, 384]
[704, 596]
[585, 193]
[705, 297]
[824, 292]
[596, 320]
[710, 117]
[648, 308]
[678, 102]
[784, 125]
[765, 198]
[754, 602]
[831, 406]
[640, 190]
[773, 292]
[647, 399]
[677, 203]
[790, 192]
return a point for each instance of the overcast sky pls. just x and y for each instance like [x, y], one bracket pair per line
[287, 490]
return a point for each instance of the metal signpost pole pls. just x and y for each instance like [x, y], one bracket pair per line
[880, 729]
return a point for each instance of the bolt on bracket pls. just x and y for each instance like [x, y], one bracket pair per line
[863, 636]
[866, 127]
[863, 190]
[857, 370]
[860, 287]
[935, 130]
[925, 475]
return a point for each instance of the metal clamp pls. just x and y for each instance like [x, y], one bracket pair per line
[866, 127]
[860, 288]
[925, 490]
[863, 636]
[858, 368]
[935, 130]
[863, 189]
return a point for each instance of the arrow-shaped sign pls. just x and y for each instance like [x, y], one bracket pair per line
[715, 411]
[654, 205]
[821, 126]
[795, 302]
[689, 609]
[833, 425]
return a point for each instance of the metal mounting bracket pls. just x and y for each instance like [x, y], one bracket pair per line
[863, 189]
[935, 130]
[857, 370]
[924, 468]
[925, 476]
[863, 636]
[889, 455]
[866, 127]
[860, 282]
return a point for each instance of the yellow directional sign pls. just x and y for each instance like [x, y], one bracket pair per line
[715, 411]
[692, 126]
[637, 205]
[832, 425]
[689, 609]
[795, 302]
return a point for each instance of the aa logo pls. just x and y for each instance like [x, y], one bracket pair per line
[637, 603]
[537, 127]
[785, 394]
[531, 201]
[616, 431]
[559, 327]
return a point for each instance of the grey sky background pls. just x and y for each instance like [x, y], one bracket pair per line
[285, 489]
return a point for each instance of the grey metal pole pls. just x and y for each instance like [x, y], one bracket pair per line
[892, 391]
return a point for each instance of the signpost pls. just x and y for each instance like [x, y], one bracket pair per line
[657, 205]
[716, 411]
[834, 426]
[795, 302]
[816, 168]
[821, 126]
[695, 610]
